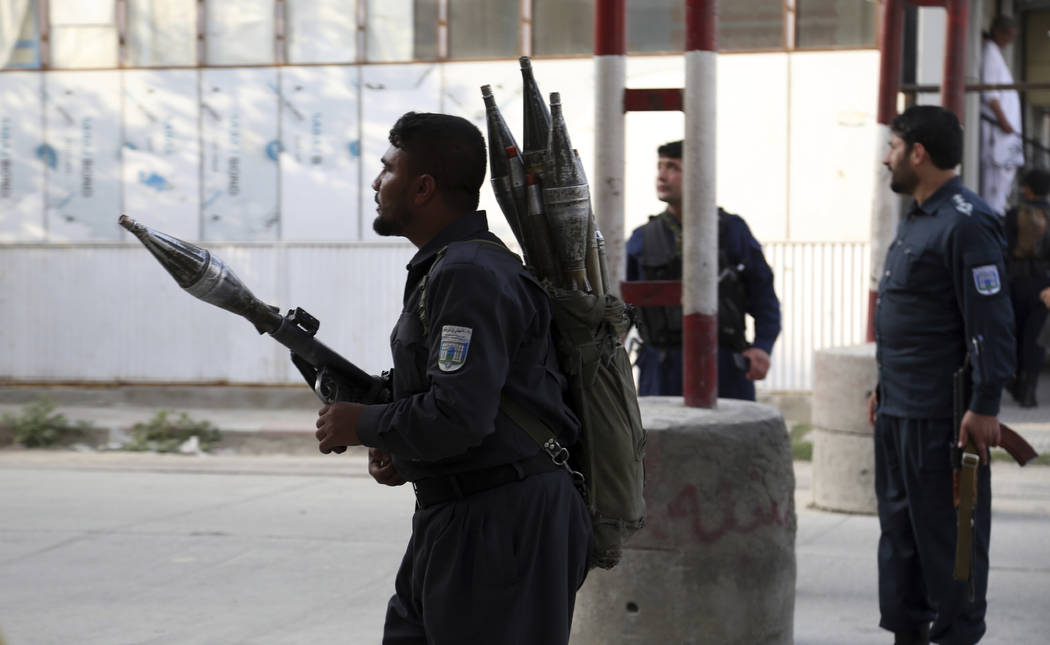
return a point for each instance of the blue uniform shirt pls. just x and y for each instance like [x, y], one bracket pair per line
[661, 368]
[942, 294]
[488, 331]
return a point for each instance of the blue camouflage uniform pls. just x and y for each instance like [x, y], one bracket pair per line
[500, 536]
[660, 359]
[941, 295]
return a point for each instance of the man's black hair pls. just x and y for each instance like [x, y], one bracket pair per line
[1038, 181]
[936, 128]
[672, 149]
[448, 148]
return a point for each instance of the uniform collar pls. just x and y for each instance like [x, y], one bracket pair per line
[467, 227]
[938, 198]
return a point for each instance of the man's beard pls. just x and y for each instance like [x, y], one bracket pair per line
[390, 226]
[903, 181]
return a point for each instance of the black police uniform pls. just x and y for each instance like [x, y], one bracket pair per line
[500, 536]
[1028, 265]
[941, 295]
[654, 252]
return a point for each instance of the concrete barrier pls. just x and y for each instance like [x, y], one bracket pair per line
[843, 448]
[715, 562]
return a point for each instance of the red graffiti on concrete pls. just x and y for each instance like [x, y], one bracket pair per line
[686, 506]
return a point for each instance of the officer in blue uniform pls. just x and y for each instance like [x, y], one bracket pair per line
[745, 286]
[941, 296]
[500, 535]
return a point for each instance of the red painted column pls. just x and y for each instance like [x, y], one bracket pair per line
[953, 91]
[700, 209]
[610, 73]
[885, 203]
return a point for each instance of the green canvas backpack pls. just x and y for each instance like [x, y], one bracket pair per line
[606, 462]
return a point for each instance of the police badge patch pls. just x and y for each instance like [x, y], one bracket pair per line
[455, 341]
[987, 279]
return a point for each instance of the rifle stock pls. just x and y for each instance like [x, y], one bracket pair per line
[1015, 445]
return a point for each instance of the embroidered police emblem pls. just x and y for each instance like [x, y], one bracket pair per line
[987, 279]
[455, 341]
[962, 205]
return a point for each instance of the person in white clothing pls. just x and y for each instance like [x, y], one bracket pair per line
[1002, 149]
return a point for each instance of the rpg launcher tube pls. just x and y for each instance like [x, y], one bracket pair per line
[501, 164]
[537, 236]
[537, 122]
[567, 202]
[204, 276]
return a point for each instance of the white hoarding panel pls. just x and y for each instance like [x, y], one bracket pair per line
[22, 158]
[82, 148]
[239, 134]
[388, 91]
[320, 153]
[162, 150]
[239, 32]
[321, 31]
[162, 33]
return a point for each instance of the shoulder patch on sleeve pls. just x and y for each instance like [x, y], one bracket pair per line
[986, 278]
[961, 205]
[455, 342]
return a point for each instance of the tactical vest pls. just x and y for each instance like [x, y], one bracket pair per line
[1031, 255]
[662, 260]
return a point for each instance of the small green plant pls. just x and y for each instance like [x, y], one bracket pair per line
[39, 426]
[801, 448]
[163, 433]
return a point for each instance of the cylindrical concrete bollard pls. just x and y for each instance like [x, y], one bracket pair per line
[715, 562]
[843, 448]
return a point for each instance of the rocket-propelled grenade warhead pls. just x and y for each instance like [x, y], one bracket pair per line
[503, 168]
[567, 200]
[205, 276]
[537, 236]
[537, 123]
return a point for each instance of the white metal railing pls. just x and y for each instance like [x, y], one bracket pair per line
[823, 301]
[108, 312]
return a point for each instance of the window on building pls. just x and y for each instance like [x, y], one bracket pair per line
[562, 27]
[20, 40]
[321, 31]
[655, 26]
[239, 32]
[83, 34]
[162, 33]
[483, 28]
[401, 30]
[659, 25]
[835, 23]
[750, 24]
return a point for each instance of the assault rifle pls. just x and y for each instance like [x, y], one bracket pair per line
[329, 375]
[965, 462]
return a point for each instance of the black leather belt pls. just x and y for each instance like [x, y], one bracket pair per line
[440, 490]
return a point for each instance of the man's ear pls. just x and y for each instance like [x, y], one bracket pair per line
[918, 154]
[424, 189]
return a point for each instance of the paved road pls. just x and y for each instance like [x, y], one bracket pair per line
[128, 549]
